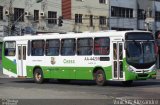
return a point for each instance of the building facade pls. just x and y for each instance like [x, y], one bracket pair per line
[122, 14]
[80, 15]
[42, 16]
[85, 15]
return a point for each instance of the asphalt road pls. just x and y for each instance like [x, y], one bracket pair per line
[76, 92]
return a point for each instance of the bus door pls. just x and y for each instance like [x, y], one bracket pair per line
[21, 62]
[117, 67]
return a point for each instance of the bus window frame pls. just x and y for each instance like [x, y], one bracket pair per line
[43, 46]
[29, 48]
[108, 46]
[92, 46]
[59, 47]
[7, 48]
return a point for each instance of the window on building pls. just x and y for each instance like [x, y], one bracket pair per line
[141, 14]
[78, 18]
[52, 47]
[131, 13]
[102, 20]
[102, 1]
[52, 17]
[157, 16]
[84, 46]
[101, 46]
[18, 14]
[37, 48]
[68, 47]
[36, 15]
[121, 29]
[91, 20]
[10, 48]
[121, 12]
[1, 13]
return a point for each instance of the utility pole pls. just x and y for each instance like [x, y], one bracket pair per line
[10, 18]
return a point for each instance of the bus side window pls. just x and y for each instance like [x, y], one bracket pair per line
[52, 47]
[37, 48]
[10, 48]
[101, 46]
[68, 47]
[84, 46]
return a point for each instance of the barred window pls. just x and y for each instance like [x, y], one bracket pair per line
[102, 1]
[102, 20]
[78, 18]
[18, 14]
[36, 15]
[52, 17]
[1, 13]
[121, 12]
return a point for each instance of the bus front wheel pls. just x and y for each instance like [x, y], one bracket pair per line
[100, 78]
[38, 76]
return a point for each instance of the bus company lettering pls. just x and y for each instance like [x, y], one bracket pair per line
[92, 58]
[66, 61]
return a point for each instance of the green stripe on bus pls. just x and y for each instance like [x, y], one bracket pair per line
[69, 72]
[8, 64]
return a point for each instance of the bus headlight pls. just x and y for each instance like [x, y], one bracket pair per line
[154, 68]
[130, 68]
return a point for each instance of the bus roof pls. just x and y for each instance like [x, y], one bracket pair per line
[71, 35]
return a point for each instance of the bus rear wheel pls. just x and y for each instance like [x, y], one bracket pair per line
[100, 77]
[38, 76]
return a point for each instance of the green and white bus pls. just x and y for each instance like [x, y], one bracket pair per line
[101, 56]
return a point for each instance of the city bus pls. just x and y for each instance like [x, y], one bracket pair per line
[100, 56]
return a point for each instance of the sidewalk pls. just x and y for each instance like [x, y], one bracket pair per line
[2, 75]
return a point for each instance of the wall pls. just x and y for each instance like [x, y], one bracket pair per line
[124, 22]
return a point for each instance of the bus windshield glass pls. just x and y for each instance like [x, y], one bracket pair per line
[140, 50]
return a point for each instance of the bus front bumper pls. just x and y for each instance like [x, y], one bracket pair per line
[140, 76]
[144, 76]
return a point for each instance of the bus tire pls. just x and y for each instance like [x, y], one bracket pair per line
[127, 83]
[100, 78]
[38, 76]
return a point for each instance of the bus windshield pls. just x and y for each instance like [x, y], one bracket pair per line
[140, 49]
[140, 52]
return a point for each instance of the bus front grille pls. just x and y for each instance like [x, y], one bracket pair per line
[142, 75]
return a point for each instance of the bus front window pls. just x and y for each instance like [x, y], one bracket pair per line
[149, 52]
[140, 52]
[134, 52]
